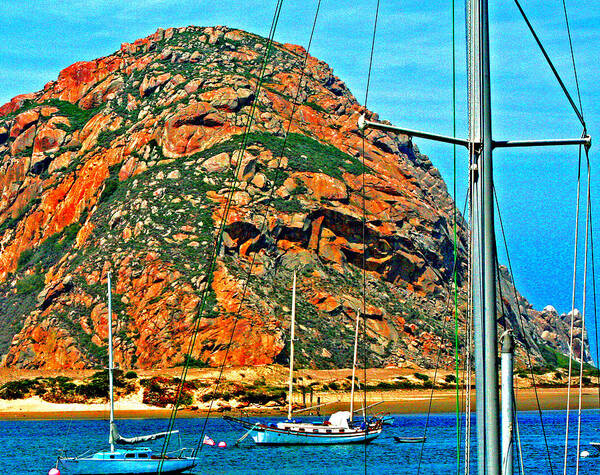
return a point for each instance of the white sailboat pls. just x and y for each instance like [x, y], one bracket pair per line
[123, 461]
[340, 428]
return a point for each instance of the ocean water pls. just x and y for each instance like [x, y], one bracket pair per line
[31, 447]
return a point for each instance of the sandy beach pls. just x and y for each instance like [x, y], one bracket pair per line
[395, 402]
[398, 401]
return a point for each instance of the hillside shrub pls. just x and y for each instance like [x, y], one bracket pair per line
[421, 376]
[30, 284]
[17, 389]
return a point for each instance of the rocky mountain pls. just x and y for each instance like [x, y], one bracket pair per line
[125, 164]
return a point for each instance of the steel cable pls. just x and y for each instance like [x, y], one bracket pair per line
[219, 237]
[581, 339]
[575, 258]
[264, 220]
[552, 67]
[522, 332]
[364, 225]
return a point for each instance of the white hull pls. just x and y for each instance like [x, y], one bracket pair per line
[271, 436]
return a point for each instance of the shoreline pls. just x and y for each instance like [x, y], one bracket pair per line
[394, 402]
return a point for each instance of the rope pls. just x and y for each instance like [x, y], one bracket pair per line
[549, 61]
[568, 408]
[219, 239]
[519, 445]
[521, 324]
[437, 364]
[587, 227]
[572, 56]
[581, 340]
[594, 294]
[364, 233]
[455, 244]
[590, 203]
[295, 104]
[469, 334]
[503, 310]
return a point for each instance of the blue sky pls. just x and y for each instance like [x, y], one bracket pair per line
[411, 86]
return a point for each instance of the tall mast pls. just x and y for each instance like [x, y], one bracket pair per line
[110, 371]
[484, 242]
[291, 381]
[354, 367]
[483, 282]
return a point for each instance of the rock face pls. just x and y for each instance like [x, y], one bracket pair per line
[125, 164]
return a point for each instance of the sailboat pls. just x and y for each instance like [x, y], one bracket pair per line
[340, 428]
[123, 461]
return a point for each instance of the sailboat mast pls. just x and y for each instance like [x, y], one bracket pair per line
[354, 367]
[484, 243]
[110, 369]
[291, 381]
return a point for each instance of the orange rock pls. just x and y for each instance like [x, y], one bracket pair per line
[315, 233]
[79, 78]
[15, 103]
[126, 234]
[151, 83]
[84, 233]
[23, 121]
[23, 141]
[324, 186]
[48, 139]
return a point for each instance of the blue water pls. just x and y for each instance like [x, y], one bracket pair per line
[31, 447]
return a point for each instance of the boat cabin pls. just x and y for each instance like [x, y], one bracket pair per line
[142, 453]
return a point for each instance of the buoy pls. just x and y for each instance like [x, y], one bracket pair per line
[208, 441]
[585, 453]
[222, 444]
[54, 471]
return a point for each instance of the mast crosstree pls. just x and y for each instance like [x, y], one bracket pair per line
[480, 145]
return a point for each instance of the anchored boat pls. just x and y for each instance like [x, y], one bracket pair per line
[126, 461]
[341, 428]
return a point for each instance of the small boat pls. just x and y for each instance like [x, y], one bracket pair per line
[388, 420]
[341, 428]
[123, 461]
[596, 445]
[409, 440]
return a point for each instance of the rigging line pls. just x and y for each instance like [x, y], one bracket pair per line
[455, 244]
[552, 67]
[576, 239]
[469, 320]
[438, 359]
[504, 320]
[581, 338]
[437, 365]
[521, 324]
[364, 233]
[572, 56]
[295, 104]
[505, 309]
[594, 295]
[219, 237]
[517, 430]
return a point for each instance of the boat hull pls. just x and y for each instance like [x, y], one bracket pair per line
[283, 437]
[90, 466]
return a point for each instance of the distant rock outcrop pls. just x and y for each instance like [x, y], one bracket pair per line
[124, 163]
